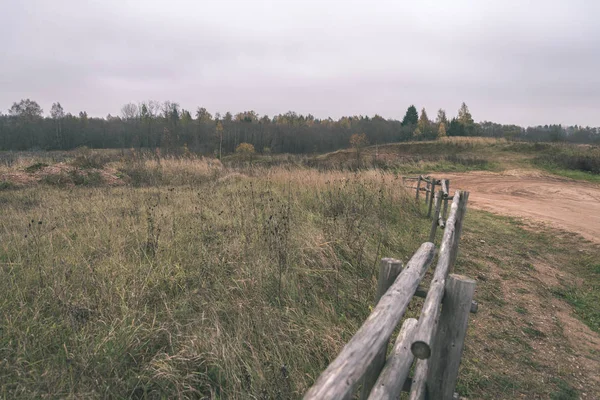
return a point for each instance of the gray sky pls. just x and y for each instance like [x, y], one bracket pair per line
[512, 61]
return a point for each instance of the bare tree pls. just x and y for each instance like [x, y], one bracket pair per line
[129, 112]
[57, 113]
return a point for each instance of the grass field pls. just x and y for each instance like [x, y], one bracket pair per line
[140, 276]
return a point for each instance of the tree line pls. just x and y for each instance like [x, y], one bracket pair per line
[166, 125]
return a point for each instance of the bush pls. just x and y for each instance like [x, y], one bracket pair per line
[245, 148]
[88, 159]
[586, 159]
[35, 167]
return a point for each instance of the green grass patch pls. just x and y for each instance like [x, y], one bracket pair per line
[7, 185]
[555, 169]
[564, 391]
[585, 301]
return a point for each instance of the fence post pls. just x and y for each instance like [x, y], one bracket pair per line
[432, 188]
[436, 215]
[389, 269]
[450, 337]
[418, 189]
[446, 199]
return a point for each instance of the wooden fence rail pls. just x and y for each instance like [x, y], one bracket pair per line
[435, 340]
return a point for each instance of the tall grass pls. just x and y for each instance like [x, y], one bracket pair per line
[232, 285]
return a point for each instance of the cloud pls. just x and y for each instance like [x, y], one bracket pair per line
[527, 62]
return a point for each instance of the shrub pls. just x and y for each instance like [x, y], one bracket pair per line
[88, 159]
[245, 148]
[35, 167]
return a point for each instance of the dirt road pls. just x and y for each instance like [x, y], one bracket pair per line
[562, 203]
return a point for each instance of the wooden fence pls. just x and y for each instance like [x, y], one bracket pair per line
[435, 340]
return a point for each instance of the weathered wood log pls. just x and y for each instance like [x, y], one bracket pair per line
[393, 376]
[445, 183]
[459, 224]
[432, 188]
[445, 212]
[450, 337]
[414, 187]
[408, 178]
[389, 269]
[350, 365]
[418, 187]
[423, 338]
[441, 223]
[436, 215]
[422, 293]
[418, 389]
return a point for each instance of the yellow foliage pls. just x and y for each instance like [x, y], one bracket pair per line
[358, 140]
[442, 131]
[245, 148]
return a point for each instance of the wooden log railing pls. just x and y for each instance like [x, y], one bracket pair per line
[435, 340]
[439, 212]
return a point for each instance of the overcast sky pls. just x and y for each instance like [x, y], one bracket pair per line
[512, 61]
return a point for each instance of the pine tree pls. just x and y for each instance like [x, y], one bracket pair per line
[411, 117]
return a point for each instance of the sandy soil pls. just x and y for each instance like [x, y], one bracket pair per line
[562, 203]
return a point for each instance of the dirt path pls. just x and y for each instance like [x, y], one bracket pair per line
[562, 203]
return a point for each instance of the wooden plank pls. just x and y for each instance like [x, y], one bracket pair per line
[436, 215]
[341, 376]
[450, 337]
[393, 376]
[389, 269]
[423, 338]
[418, 389]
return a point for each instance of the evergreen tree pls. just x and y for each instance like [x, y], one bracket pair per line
[456, 128]
[411, 117]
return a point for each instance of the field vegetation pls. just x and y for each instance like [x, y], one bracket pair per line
[136, 274]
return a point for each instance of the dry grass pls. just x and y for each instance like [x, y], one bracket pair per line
[193, 280]
[234, 286]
